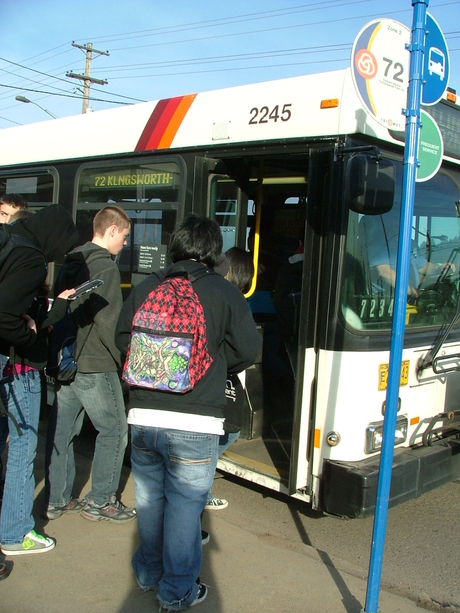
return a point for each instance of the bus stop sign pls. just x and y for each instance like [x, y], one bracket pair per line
[436, 63]
[430, 148]
[379, 68]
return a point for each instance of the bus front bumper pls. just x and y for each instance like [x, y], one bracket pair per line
[349, 489]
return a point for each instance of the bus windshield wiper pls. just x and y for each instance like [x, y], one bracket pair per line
[429, 358]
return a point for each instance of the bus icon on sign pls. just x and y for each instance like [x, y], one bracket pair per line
[436, 62]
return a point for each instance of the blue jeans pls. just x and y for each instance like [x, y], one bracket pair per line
[224, 442]
[21, 396]
[101, 397]
[173, 472]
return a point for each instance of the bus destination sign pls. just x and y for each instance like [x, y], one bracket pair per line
[123, 179]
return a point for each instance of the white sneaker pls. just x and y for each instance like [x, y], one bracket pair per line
[215, 504]
[31, 543]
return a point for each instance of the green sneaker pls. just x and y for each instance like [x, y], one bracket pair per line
[31, 543]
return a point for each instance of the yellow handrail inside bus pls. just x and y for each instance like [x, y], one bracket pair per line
[260, 180]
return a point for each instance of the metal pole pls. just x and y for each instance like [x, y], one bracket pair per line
[87, 82]
[24, 99]
[412, 113]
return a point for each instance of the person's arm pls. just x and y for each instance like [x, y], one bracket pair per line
[129, 308]
[123, 327]
[58, 310]
[106, 302]
[437, 269]
[242, 339]
[19, 286]
[389, 275]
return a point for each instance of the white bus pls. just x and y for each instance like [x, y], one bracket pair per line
[280, 165]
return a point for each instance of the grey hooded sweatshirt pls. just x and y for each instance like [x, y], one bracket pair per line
[96, 313]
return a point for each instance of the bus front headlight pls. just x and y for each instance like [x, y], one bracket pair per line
[374, 434]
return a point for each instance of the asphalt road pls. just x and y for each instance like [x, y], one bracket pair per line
[422, 544]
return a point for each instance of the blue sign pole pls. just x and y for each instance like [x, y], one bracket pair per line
[417, 48]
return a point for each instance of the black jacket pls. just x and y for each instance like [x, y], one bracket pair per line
[37, 354]
[23, 273]
[233, 343]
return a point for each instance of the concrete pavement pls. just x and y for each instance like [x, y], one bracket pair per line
[89, 570]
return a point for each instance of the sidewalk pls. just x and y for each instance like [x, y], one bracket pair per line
[89, 570]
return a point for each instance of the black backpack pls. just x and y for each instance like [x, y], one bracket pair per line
[62, 361]
[9, 241]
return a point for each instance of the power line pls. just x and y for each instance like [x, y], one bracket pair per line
[57, 78]
[36, 91]
[232, 20]
[235, 57]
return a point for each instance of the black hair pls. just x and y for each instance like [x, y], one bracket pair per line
[241, 268]
[15, 200]
[196, 238]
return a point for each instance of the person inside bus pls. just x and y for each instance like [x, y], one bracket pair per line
[381, 235]
[263, 308]
[236, 266]
[286, 299]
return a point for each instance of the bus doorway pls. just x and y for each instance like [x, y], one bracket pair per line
[263, 206]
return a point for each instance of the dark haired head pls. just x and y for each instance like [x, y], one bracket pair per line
[241, 268]
[196, 238]
[15, 200]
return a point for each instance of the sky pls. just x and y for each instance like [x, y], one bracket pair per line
[159, 49]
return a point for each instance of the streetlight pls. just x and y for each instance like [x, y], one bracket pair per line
[24, 99]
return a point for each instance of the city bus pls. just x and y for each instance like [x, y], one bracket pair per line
[293, 171]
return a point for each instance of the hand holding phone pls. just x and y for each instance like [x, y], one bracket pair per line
[86, 287]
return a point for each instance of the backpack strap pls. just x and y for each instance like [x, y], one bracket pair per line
[6, 244]
[9, 241]
[5, 413]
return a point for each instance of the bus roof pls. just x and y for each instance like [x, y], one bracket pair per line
[274, 110]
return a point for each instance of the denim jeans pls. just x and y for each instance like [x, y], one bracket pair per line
[173, 472]
[21, 396]
[224, 442]
[101, 397]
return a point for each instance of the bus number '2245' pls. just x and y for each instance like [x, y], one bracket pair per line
[264, 115]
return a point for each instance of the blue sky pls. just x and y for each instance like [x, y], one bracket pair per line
[160, 49]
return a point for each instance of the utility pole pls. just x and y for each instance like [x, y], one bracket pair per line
[88, 48]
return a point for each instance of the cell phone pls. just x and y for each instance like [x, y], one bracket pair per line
[88, 286]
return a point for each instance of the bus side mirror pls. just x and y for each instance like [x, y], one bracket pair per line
[369, 185]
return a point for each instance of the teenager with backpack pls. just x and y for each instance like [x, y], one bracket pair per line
[175, 436]
[96, 390]
[28, 246]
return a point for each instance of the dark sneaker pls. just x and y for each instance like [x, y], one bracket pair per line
[31, 543]
[113, 511]
[3, 571]
[204, 537]
[216, 504]
[76, 505]
[202, 593]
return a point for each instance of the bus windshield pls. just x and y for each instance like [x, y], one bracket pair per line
[371, 259]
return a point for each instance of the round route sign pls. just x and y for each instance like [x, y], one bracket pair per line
[380, 70]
